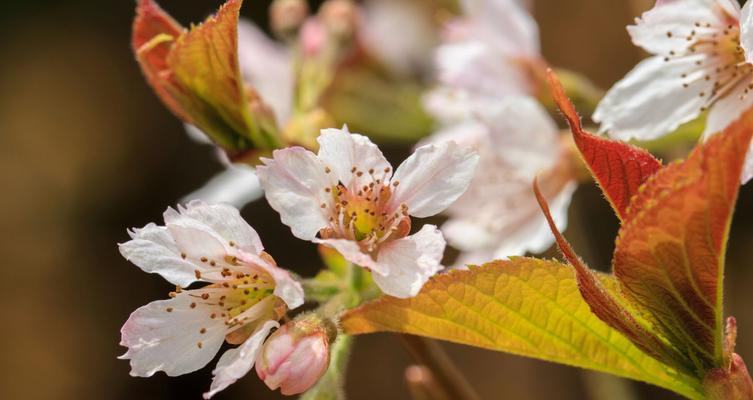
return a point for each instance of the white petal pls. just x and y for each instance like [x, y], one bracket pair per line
[476, 66]
[506, 23]
[235, 363]
[267, 66]
[746, 31]
[341, 151]
[286, 288]
[294, 183]
[726, 111]
[410, 262]
[677, 17]
[237, 185]
[153, 250]
[350, 250]
[511, 226]
[159, 340]
[651, 101]
[223, 221]
[433, 177]
[522, 133]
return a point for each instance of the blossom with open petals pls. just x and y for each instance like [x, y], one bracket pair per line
[498, 215]
[702, 61]
[349, 196]
[245, 296]
[483, 100]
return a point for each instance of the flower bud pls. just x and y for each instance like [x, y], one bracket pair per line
[287, 16]
[296, 356]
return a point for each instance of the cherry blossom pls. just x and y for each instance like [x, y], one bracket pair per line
[245, 296]
[349, 196]
[485, 69]
[701, 61]
[498, 215]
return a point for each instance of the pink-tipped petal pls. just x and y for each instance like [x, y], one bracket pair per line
[342, 151]
[294, 183]
[433, 177]
[410, 262]
[166, 335]
[235, 363]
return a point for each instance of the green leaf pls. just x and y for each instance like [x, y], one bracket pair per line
[331, 385]
[523, 306]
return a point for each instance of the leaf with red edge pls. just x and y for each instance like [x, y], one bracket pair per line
[196, 74]
[604, 304]
[669, 256]
[618, 167]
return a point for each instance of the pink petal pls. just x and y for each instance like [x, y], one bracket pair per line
[224, 221]
[352, 252]
[410, 262]
[171, 341]
[294, 183]
[342, 151]
[286, 288]
[433, 177]
[235, 363]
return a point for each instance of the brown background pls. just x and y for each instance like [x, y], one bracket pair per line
[86, 151]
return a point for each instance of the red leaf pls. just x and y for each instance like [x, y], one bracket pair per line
[618, 167]
[154, 33]
[669, 256]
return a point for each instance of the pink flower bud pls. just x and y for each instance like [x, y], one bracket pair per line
[295, 356]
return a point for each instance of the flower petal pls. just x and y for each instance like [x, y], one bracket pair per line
[152, 249]
[286, 288]
[651, 101]
[746, 31]
[235, 363]
[678, 17]
[237, 185]
[342, 151]
[726, 111]
[352, 252]
[166, 335]
[433, 177]
[505, 228]
[507, 23]
[268, 68]
[224, 221]
[410, 262]
[294, 183]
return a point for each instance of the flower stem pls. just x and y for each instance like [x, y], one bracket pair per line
[448, 377]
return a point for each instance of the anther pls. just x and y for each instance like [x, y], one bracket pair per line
[169, 309]
[203, 330]
[193, 305]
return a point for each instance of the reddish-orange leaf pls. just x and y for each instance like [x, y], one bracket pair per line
[603, 304]
[618, 167]
[154, 32]
[669, 256]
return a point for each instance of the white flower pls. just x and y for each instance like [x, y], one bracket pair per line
[498, 215]
[488, 51]
[702, 55]
[485, 67]
[246, 295]
[347, 194]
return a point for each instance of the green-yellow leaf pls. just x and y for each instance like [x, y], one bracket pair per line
[524, 306]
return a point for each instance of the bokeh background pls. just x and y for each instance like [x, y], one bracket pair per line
[86, 150]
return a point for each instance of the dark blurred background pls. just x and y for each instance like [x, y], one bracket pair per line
[86, 151]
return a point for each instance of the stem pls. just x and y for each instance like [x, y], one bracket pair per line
[448, 377]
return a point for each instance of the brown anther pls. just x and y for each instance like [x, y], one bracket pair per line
[205, 296]
[371, 171]
[327, 189]
[232, 243]
[327, 170]
[246, 291]
[359, 173]
[213, 316]
[396, 183]
[169, 309]
[183, 255]
[243, 302]
[204, 259]
[669, 34]
[193, 305]
[199, 344]
[323, 205]
[212, 263]
[203, 330]
[197, 273]
[352, 170]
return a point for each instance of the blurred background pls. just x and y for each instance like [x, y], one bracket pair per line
[87, 150]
